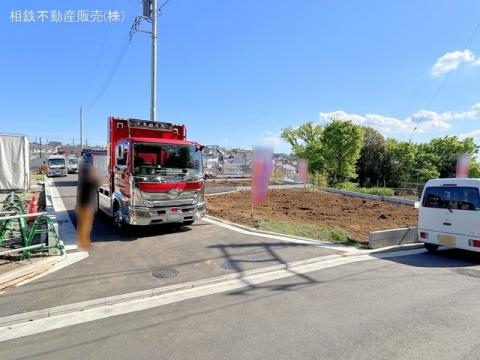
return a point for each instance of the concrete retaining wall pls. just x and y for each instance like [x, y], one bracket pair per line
[384, 238]
[390, 199]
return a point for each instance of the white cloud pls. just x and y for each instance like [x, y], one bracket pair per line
[274, 140]
[271, 140]
[423, 120]
[472, 134]
[452, 60]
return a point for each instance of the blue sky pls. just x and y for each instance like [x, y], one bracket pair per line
[237, 72]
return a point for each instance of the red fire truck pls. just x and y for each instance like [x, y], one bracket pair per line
[155, 175]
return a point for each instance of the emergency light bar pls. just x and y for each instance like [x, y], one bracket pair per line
[155, 125]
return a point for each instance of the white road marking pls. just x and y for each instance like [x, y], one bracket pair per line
[66, 229]
[27, 328]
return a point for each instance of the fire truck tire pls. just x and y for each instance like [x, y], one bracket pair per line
[188, 223]
[118, 219]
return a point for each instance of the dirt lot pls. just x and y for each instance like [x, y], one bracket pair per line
[357, 216]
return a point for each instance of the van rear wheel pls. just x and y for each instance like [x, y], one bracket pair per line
[431, 248]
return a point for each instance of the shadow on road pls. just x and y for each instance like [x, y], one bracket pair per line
[105, 231]
[237, 262]
[444, 258]
[65, 183]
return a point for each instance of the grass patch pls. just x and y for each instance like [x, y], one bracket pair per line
[379, 191]
[309, 231]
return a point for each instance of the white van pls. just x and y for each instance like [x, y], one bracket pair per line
[450, 214]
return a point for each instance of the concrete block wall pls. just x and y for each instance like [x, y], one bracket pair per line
[384, 238]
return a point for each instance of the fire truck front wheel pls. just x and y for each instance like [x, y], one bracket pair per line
[118, 221]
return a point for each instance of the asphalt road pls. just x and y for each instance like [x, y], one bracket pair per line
[419, 306]
[414, 307]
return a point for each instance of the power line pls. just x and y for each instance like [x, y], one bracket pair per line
[97, 62]
[440, 86]
[118, 60]
[110, 75]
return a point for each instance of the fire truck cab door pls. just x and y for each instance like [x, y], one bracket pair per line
[122, 173]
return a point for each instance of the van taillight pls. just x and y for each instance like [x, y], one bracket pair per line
[474, 243]
[423, 235]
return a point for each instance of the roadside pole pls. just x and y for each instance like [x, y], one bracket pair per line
[153, 100]
[81, 128]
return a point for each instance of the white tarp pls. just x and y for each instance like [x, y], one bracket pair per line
[14, 162]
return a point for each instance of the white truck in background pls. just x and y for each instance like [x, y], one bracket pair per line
[56, 166]
[72, 165]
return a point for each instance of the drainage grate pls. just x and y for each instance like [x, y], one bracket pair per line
[467, 272]
[164, 273]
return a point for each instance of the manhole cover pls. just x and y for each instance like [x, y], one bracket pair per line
[165, 273]
[467, 272]
[230, 265]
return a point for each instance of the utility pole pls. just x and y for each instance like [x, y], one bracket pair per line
[150, 14]
[81, 128]
[153, 95]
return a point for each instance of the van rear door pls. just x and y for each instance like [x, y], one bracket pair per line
[451, 209]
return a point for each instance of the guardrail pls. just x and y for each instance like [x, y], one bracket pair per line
[390, 199]
[15, 221]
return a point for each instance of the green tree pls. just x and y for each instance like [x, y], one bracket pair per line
[306, 142]
[446, 151]
[474, 169]
[400, 160]
[342, 142]
[371, 165]
[425, 164]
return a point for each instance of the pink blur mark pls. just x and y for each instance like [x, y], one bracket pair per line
[303, 171]
[463, 166]
[262, 171]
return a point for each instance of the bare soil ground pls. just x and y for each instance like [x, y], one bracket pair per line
[356, 216]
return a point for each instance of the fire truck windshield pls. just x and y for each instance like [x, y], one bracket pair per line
[166, 159]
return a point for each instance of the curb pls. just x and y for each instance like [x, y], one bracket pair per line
[298, 238]
[28, 317]
[51, 210]
[111, 300]
[325, 244]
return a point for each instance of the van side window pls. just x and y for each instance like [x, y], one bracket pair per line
[455, 198]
